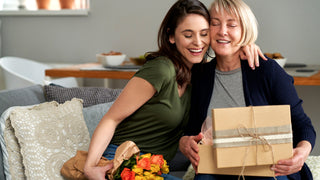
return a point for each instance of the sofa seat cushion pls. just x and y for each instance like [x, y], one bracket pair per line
[48, 135]
[89, 95]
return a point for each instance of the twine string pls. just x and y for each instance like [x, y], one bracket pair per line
[254, 139]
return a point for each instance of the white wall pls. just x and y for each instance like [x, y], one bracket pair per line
[286, 26]
[311, 98]
[290, 27]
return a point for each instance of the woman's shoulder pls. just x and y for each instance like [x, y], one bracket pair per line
[268, 63]
[161, 64]
[158, 71]
[268, 70]
[160, 67]
[161, 60]
[265, 66]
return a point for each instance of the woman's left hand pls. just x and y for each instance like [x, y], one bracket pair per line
[294, 164]
[252, 52]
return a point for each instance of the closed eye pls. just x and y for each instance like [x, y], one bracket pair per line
[232, 25]
[204, 32]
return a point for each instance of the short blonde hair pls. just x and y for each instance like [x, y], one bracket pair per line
[246, 17]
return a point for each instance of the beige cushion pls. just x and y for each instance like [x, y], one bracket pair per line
[48, 135]
[11, 148]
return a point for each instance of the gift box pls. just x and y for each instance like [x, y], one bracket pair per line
[250, 138]
[207, 165]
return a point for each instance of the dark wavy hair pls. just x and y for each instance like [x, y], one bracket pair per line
[174, 16]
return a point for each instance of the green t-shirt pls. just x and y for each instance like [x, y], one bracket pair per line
[157, 126]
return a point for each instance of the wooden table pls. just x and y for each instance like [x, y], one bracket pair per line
[299, 78]
[75, 71]
[312, 80]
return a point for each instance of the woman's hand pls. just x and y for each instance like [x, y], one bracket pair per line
[294, 164]
[97, 172]
[188, 146]
[252, 52]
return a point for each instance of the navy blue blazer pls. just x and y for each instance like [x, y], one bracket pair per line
[268, 84]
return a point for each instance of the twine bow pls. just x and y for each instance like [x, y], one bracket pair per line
[255, 139]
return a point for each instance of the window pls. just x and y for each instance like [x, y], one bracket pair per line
[37, 7]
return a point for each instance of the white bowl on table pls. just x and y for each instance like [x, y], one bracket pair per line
[281, 62]
[111, 60]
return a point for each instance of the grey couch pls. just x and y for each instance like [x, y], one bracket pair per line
[96, 103]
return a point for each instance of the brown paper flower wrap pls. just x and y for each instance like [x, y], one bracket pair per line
[74, 167]
[124, 152]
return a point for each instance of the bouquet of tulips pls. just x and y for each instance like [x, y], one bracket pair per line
[144, 167]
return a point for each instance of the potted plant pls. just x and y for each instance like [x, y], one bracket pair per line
[66, 4]
[43, 4]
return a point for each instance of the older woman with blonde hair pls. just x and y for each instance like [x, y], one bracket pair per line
[226, 81]
[152, 110]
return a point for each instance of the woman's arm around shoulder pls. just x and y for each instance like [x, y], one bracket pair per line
[252, 52]
[137, 92]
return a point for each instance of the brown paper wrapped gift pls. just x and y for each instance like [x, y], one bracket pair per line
[207, 165]
[250, 137]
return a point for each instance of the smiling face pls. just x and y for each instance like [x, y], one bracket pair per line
[192, 38]
[225, 32]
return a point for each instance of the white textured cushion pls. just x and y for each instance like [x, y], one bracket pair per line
[48, 135]
[10, 147]
[313, 163]
[190, 174]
